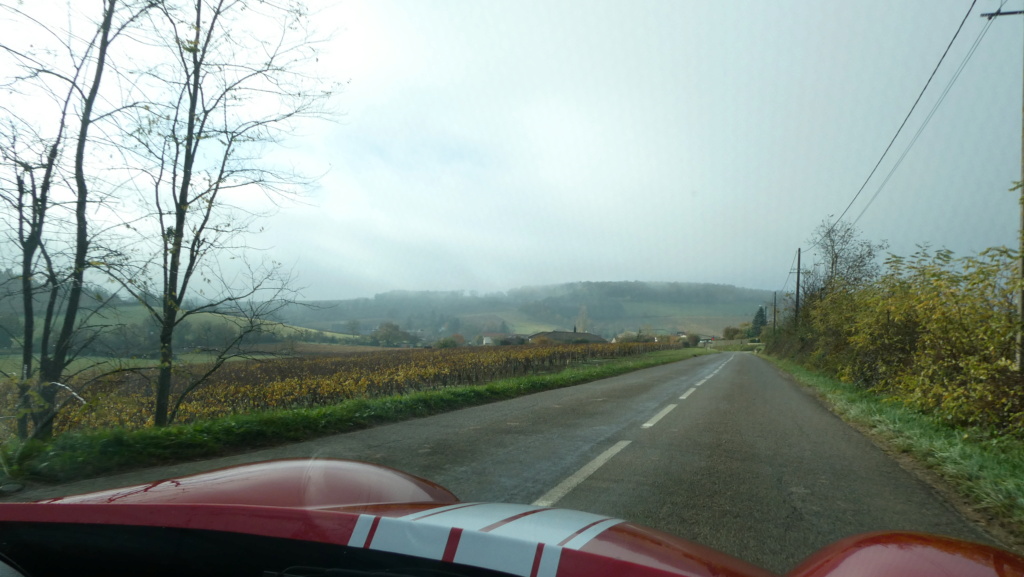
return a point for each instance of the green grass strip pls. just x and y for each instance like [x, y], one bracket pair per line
[75, 456]
[987, 469]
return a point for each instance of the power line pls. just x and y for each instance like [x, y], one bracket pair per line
[912, 108]
[786, 284]
[904, 123]
[928, 118]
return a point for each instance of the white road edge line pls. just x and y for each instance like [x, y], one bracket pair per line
[688, 393]
[562, 489]
[654, 420]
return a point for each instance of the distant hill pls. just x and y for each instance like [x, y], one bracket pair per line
[603, 308]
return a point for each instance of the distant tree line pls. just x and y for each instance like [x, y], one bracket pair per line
[751, 330]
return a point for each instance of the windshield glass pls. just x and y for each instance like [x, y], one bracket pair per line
[630, 259]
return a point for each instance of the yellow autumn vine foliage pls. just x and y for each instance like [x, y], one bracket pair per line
[126, 400]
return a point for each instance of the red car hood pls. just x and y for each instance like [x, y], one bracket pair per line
[365, 506]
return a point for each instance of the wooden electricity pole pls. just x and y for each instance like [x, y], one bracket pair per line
[797, 287]
[1020, 231]
[775, 310]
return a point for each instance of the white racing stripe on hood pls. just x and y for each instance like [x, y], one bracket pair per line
[497, 553]
[474, 516]
[361, 531]
[554, 526]
[437, 511]
[589, 533]
[548, 564]
[409, 538]
[528, 522]
[518, 539]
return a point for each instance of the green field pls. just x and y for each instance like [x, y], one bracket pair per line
[10, 362]
[136, 315]
[662, 318]
[703, 319]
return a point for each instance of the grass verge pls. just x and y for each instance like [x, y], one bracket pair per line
[985, 469]
[75, 456]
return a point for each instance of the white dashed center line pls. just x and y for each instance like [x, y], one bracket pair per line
[570, 483]
[654, 420]
[563, 488]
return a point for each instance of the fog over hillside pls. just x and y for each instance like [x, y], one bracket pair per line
[604, 308]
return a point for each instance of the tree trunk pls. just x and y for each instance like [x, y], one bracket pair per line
[175, 279]
[28, 336]
[51, 372]
[42, 417]
[163, 382]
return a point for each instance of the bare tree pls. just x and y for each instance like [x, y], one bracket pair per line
[230, 80]
[843, 258]
[67, 71]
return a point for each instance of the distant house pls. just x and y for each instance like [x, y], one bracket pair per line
[563, 337]
[501, 339]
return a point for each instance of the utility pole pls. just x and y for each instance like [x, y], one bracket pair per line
[775, 310]
[798, 287]
[1020, 232]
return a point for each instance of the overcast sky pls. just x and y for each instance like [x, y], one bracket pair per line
[486, 145]
[490, 145]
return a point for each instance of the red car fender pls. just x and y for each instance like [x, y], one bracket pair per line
[899, 554]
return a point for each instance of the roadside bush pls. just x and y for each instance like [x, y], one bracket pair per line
[934, 332]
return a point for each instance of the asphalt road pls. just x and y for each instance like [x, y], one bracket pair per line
[719, 449]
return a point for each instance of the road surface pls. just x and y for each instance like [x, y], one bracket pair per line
[720, 449]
